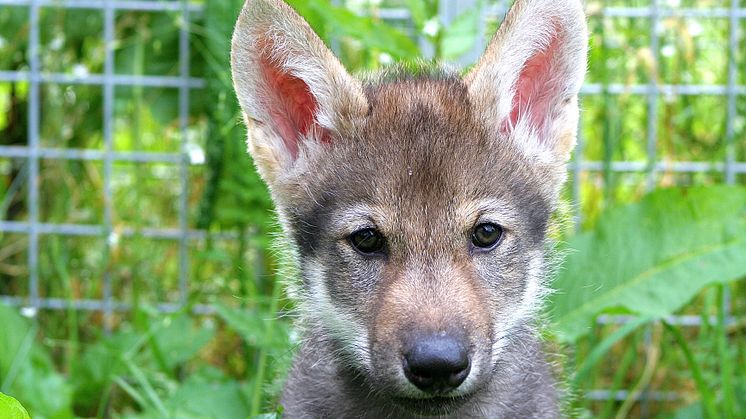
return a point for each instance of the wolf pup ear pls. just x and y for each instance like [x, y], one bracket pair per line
[293, 92]
[527, 82]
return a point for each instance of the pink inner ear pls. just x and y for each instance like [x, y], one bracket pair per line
[291, 106]
[537, 88]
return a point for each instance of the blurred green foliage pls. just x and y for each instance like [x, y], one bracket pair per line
[228, 364]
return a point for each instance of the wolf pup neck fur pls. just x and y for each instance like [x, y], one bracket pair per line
[417, 208]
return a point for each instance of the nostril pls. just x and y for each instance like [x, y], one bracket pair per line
[458, 377]
[436, 363]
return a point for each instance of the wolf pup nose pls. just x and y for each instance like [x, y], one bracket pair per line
[436, 363]
[416, 205]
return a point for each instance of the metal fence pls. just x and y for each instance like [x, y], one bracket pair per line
[34, 151]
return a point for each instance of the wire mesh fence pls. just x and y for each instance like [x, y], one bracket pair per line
[33, 154]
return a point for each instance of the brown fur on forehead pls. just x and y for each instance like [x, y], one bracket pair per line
[431, 148]
[417, 131]
[406, 102]
[423, 300]
[415, 134]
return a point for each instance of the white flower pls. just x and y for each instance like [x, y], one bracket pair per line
[196, 153]
[57, 43]
[385, 59]
[113, 239]
[668, 50]
[431, 27]
[29, 312]
[80, 71]
[694, 28]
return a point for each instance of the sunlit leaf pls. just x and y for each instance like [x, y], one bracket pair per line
[10, 408]
[652, 257]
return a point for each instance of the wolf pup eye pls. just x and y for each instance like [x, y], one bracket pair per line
[367, 241]
[486, 235]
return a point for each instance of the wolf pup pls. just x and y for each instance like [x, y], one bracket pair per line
[417, 206]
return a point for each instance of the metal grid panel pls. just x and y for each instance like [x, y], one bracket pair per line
[34, 152]
[33, 159]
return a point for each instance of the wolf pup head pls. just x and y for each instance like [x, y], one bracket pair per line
[418, 206]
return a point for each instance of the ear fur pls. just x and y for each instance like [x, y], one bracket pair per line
[527, 82]
[293, 91]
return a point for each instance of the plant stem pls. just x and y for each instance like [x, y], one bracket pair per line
[630, 355]
[651, 361]
[707, 397]
[263, 353]
[600, 349]
[726, 368]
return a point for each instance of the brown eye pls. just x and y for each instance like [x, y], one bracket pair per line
[367, 241]
[486, 235]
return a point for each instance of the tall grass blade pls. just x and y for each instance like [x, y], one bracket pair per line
[708, 398]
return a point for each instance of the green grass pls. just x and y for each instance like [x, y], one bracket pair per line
[230, 363]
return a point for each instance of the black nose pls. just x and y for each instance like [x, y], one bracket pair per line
[436, 363]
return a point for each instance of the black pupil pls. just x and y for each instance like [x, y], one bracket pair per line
[367, 240]
[486, 235]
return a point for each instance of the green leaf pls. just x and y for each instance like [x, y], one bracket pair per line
[418, 11]
[179, 340]
[375, 34]
[461, 34]
[652, 257]
[16, 336]
[10, 408]
[209, 398]
[693, 411]
[95, 369]
[208, 393]
[46, 395]
[257, 328]
[27, 371]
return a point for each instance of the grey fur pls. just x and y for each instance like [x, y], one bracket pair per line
[522, 388]
[423, 158]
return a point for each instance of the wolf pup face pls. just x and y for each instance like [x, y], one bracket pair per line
[417, 204]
